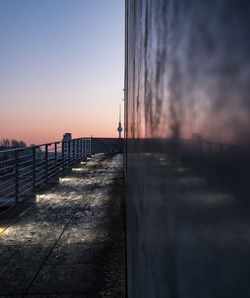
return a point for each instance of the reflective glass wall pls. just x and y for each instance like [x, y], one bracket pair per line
[187, 87]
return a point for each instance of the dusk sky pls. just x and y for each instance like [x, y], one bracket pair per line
[61, 68]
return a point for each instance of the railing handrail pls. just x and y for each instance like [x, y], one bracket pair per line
[25, 172]
[40, 145]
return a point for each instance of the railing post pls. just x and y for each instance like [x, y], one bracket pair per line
[63, 158]
[17, 176]
[81, 143]
[34, 168]
[68, 152]
[90, 147]
[85, 147]
[55, 155]
[74, 150]
[78, 149]
[46, 163]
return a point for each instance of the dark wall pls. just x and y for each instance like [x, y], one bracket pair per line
[107, 145]
[187, 88]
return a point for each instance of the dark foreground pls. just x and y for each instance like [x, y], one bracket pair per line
[70, 241]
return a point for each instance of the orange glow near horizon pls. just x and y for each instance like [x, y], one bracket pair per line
[46, 120]
[34, 130]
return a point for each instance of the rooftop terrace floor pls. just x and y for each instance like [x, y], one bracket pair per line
[70, 240]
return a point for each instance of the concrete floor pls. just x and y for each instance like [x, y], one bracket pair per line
[69, 241]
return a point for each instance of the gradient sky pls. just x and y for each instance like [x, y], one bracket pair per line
[61, 68]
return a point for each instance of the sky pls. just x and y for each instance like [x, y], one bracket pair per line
[61, 68]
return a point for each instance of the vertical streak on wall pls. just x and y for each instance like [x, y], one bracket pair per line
[126, 80]
[187, 112]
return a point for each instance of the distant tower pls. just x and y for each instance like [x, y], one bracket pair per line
[119, 129]
[67, 136]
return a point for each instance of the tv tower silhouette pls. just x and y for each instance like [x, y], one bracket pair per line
[119, 129]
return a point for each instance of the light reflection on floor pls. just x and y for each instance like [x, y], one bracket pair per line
[74, 220]
[2, 230]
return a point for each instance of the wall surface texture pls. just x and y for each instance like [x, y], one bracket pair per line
[187, 96]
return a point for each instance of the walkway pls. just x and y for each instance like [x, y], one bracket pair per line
[70, 241]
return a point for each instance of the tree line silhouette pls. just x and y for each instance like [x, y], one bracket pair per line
[5, 142]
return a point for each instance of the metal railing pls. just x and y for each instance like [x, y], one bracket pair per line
[24, 170]
[202, 149]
